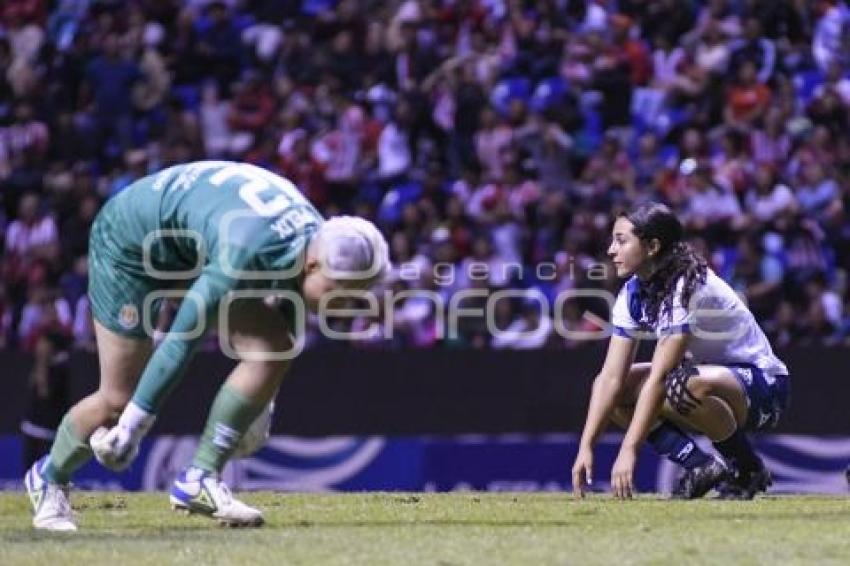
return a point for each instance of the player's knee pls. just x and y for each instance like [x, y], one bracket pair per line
[683, 388]
[252, 348]
[267, 371]
[699, 388]
[274, 368]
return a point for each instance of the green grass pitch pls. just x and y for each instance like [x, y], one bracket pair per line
[439, 529]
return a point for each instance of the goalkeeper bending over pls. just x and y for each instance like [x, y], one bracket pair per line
[223, 227]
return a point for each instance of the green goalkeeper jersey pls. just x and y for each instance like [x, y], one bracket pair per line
[214, 226]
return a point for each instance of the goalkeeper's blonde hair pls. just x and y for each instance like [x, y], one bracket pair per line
[352, 250]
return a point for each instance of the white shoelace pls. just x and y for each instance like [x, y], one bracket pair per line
[60, 499]
[226, 495]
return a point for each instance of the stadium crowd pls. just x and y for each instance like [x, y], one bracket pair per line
[497, 132]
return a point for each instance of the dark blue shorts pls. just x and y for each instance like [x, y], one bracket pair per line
[768, 396]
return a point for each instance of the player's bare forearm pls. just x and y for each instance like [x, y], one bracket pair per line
[602, 399]
[668, 354]
[646, 412]
[607, 386]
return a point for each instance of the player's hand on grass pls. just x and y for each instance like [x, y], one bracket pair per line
[622, 474]
[582, 471]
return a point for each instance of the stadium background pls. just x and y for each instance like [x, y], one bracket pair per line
[504, 132]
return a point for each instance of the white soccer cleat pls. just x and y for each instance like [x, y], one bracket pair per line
[51, 508]
[198, 491]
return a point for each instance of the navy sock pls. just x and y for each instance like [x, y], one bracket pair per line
[672, 442]
[737, 449]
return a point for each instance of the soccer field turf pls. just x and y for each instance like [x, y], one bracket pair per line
[439, 529]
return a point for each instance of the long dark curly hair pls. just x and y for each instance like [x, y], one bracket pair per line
[675, 259]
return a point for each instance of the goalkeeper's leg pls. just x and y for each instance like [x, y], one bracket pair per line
[121, 362]
[252, 385]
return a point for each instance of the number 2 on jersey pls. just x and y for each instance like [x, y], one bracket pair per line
[258, 183]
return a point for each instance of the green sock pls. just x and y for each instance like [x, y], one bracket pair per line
[230, 416]
[68, 454]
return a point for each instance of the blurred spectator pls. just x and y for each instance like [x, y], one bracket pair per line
[300, 166]
[771, 143]
[710, 204]
[784, 328]
[669, 18]
[816, 326]
[485, 264]
[817, 292]
[732, 163]
[49, 341]
[633, 51]
[218, 43]
[6, 313]
[75, 229]
[577, 322]
[345, 153]
[414, 316]
[755, 48]
[803, 248]
[394, 145]
[769, 199]
[83, 327]
[150, 93]
[611, 79]
[830, 37]
[550, 147]
[111, 78]
[31, 235]
[747, 99]
[23, 20]
[25, 136]
[213, 115]
[373, 332]
[758, 277]
[719, 12]
[492, 136]
[252, 106]
[44, 310]
[530, 330]
[74, 283]
[817, 192]
[713, 50]
[836, 81]
[135, 167]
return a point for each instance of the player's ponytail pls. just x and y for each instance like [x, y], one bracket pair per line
[675, 259]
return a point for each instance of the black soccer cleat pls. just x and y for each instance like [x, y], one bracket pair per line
[745, 486]
[700, 480]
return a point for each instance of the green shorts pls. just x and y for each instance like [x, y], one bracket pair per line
[118, 282]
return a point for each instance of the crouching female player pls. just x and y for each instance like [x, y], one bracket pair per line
[712, 371]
